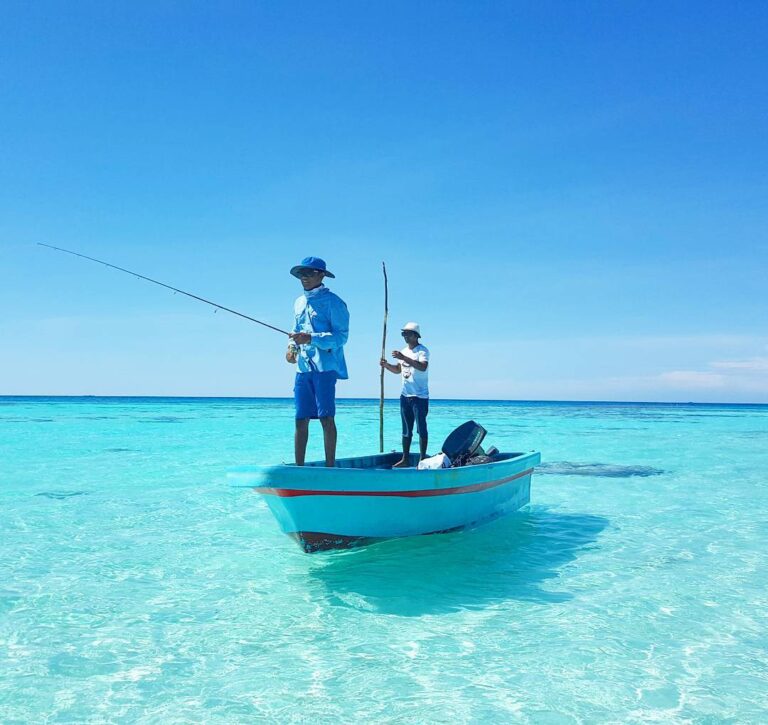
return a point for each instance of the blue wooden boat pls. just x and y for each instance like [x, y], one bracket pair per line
[363, 500]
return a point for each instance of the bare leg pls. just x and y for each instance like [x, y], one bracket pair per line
[406, 459]
[300, 440]
[329, 439]
[423, 447]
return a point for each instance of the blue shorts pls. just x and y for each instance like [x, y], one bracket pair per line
[315, 395]
[414, 409]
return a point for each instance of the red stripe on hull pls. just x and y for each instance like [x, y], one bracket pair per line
[290, 492]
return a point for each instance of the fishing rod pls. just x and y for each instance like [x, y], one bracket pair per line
[167, 286]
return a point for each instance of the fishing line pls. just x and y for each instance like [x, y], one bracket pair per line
[167, 286]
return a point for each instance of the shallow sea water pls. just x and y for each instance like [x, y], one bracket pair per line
[137, 586]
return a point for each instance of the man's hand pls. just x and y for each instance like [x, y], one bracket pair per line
[389, 366]
[301, 338]
[398, 355]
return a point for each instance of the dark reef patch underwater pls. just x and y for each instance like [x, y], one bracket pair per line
[605, 470]
[61, 495]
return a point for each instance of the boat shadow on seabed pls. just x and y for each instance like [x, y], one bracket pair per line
[507, 559]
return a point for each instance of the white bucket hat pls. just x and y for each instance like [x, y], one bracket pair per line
[411, 327]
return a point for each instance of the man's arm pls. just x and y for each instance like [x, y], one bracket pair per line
[389, 366]
[296, 329]
[421, 365]
[339, 334]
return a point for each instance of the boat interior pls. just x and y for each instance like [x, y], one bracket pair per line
[385, 461]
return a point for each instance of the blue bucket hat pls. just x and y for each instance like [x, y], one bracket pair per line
[312, 263]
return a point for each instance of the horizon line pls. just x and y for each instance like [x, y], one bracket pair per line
[441, 400]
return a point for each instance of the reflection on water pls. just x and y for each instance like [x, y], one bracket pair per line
[512, 558]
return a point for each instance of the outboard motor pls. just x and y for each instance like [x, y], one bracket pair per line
[463, 442]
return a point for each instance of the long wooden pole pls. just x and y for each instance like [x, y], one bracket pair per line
[383, 355]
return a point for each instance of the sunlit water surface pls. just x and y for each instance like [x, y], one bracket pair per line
[137, 586]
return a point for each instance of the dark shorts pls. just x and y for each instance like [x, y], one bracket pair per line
[315, 395]
[413, 408]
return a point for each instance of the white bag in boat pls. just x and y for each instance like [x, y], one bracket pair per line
[438, 461]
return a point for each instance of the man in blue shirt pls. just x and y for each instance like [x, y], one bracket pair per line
[320, 331]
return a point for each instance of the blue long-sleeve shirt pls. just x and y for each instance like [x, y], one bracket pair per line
[323, 315]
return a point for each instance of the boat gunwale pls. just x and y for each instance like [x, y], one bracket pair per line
[290, 476]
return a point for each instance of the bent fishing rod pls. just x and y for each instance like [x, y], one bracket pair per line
[167, 286]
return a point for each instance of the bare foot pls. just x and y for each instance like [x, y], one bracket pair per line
[402, 463]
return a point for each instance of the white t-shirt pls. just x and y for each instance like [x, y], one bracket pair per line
[415, 382]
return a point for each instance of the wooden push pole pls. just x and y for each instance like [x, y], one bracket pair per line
[383, 356]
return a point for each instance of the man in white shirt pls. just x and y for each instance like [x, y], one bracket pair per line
[414, 398]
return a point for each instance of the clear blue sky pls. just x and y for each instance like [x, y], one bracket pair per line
[570, 196]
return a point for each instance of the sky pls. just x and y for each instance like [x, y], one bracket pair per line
[570, 197]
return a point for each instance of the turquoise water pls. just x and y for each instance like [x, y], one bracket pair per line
[136, 586]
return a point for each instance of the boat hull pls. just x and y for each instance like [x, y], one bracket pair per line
[364, 500]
